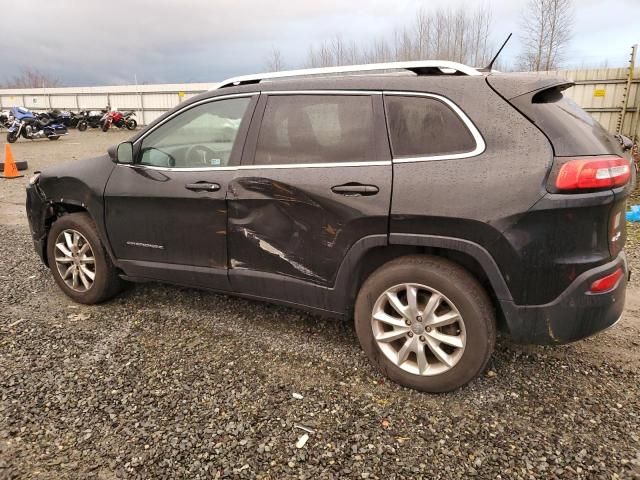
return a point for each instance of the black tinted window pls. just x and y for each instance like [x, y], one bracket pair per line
[422, 126]
[316, 129]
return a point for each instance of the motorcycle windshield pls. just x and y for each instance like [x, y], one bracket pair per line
[21, 113]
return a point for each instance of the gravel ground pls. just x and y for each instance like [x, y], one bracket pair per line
[169, 382]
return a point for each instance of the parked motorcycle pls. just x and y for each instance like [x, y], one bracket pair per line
[118, 119]
[28, 125]
[5, 119]
[69, 119]
[93, 117]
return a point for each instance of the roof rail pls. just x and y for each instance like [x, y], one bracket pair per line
[420, 67]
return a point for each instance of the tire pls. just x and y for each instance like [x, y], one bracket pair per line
[12, 137]
[20, 165]
[106, 282]
[131, 124]
[53, 138]
[476, 330]
[82, 125]
[105, 126]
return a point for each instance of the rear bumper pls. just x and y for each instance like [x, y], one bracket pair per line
[575, 314]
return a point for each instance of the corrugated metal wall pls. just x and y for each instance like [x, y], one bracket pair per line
[599, 91]
[148, 101]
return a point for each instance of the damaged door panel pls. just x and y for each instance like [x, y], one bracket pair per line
[319, 183]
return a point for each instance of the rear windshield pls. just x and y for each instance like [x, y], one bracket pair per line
[571, 130]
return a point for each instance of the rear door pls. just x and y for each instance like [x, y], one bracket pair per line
[166, 213]
[315, 178]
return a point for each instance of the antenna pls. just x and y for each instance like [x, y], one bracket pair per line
[493, 60]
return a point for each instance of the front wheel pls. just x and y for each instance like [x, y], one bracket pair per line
[12, 137]
[426, 323]
[131, 124]
[53, 137]
[79, 262]
[82, 125]
[105, 126]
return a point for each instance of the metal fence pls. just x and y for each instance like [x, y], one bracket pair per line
[601, 92]
[148, 101]
[604, 93]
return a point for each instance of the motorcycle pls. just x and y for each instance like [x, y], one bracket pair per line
[69, 119]
[5, 119]
[93, 117]
[118, 119]
[28, 125]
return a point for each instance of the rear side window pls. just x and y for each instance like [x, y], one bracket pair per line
[571, 130]
[424, 127]
[316, 129]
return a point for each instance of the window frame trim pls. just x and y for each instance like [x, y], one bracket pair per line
[481, 145]
[138, 142]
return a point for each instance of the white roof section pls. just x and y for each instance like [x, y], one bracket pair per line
[444, 66]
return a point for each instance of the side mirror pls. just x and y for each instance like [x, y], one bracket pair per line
[124, 153]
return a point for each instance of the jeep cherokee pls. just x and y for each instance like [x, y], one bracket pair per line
[429, 202]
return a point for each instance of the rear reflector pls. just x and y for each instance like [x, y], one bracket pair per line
[606, 283]
[593, 172]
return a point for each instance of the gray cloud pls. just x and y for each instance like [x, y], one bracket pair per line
[92, 43]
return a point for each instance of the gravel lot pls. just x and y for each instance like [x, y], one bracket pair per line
[176, 383]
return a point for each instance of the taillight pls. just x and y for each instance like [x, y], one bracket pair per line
[606, 283]
[593, 173]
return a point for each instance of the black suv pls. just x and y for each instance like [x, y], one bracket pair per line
[428, 201]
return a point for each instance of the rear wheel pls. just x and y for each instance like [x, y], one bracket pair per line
[426, 323]
[53, 137]
[79, 263]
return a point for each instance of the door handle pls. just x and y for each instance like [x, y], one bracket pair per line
[355, 189]
[202, 187]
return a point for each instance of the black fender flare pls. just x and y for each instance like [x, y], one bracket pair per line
[479, 253]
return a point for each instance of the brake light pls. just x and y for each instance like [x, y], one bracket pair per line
[593, 172]
[606, 283]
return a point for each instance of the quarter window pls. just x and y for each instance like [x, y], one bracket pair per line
[200, 137]
[316, 129]
[423, 126]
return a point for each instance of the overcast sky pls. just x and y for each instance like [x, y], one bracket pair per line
[97, 42]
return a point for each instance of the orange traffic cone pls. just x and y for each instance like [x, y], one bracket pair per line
[10, 168]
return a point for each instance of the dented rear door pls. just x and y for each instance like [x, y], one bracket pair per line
[315, 178]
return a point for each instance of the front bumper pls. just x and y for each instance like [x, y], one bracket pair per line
[575, 314]
[37, 208]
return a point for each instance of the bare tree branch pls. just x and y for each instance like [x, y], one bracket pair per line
[274, 62]
[546, 27]
[460, 34]
[33, 78]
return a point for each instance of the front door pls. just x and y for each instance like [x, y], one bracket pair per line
[166, 214]
[315, 179]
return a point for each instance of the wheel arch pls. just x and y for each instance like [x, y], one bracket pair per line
[59, 209]
[368, 256]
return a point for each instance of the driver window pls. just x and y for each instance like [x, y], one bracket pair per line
[202, 136]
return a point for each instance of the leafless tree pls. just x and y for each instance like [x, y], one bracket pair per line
[274, 61]
[460, 34]
[546, 27]
[33, 78]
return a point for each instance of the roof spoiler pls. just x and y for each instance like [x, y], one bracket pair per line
[512, 85]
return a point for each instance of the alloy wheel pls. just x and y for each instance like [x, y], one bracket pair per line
[75, 260]
[418, 329]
